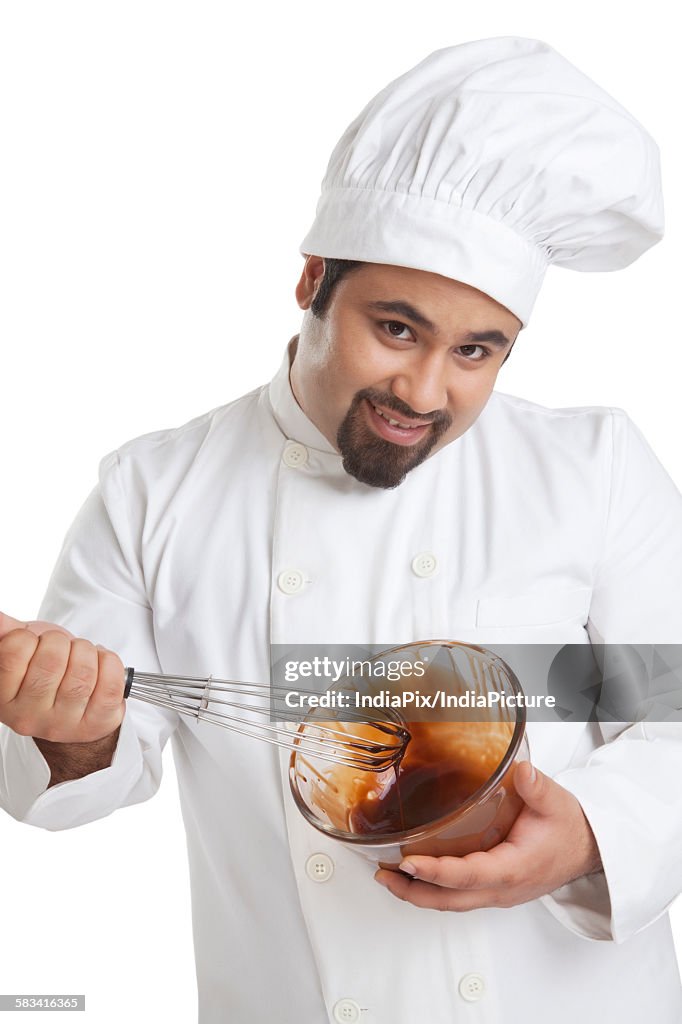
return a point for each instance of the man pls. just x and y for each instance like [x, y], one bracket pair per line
[377, 491]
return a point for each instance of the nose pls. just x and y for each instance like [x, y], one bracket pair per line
[421, 384]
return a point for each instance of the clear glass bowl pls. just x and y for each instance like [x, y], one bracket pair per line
[456, 791]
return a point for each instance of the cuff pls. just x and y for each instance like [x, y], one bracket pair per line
[633, 807]
[583, 907]
[24, 772]
[73, 803]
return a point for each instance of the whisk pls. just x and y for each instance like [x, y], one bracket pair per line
[205, 698]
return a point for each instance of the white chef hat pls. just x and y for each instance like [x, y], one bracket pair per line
[485, 163]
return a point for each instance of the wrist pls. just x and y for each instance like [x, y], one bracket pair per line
[592, 857]
[70, 761]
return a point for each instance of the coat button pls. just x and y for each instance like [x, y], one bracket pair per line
[290, 581]
[471, 987]
[424, 564]
[294, 454]
[319, 867]
[346, 1011]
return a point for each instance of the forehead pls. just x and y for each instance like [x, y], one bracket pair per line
[444, 301]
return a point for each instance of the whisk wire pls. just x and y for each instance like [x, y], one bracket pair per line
[199, 697]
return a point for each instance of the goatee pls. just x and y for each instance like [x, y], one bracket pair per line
[375, 461]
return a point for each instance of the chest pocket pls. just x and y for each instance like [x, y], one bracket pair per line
[548, 621]
[551, 608]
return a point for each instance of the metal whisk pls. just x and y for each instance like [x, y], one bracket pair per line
[205, 699]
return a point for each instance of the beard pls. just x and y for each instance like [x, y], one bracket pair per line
[375, 461]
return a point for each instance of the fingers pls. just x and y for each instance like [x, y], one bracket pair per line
[539, 792]
[39, 627]
[36, 694]
[31, 654]
[59, 689]
[433, 897]
[500, 866]
[78, 682]
[7, 623]
[106, 701]
[488, 879]
[17, 649]
[549, 845]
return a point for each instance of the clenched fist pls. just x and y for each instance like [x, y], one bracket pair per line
[56, 687]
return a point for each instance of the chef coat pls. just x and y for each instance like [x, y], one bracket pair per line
[202, 545]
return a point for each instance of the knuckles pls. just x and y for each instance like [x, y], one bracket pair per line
[11, 662]
[81, 675]
[83, 662]
[52, 654]
[111, 680]
[41, 684]
[78, 693]
[16, 650]
[57, 669]
[111, 662]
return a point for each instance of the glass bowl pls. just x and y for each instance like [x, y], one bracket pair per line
[453, 792]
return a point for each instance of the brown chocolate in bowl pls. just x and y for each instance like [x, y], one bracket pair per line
[444, 765]
[455, 789]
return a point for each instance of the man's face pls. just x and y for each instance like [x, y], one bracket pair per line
[402, 364]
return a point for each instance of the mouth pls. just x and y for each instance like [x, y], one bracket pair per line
[395, 428]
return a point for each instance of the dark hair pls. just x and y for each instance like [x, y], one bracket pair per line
[334, 270]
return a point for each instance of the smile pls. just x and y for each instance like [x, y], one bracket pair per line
[396, 430]
[397, 423]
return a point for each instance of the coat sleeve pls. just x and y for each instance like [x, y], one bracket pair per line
[97, 591]
[629, 786]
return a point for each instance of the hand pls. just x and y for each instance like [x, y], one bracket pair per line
[56, 687]
[551, 843]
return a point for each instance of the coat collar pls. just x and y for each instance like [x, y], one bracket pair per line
[290, 418]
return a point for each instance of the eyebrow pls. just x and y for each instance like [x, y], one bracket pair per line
[407, 310]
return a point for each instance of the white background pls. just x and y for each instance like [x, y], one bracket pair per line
[160, 165]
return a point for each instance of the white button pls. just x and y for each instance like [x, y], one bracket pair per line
[346, 1010]
[295, 454]
[471, 987]
[290, 581]
[319, 867]
[424, 564]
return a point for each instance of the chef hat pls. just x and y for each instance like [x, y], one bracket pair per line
[485, 163]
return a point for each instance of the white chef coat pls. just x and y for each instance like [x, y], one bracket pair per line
[552, 526]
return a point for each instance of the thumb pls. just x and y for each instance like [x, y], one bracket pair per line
[535, 789]
[7, 624]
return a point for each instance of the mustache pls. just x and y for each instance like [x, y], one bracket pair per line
[439, 418]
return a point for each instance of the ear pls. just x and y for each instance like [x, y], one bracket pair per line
[313, 272]
[509, 352]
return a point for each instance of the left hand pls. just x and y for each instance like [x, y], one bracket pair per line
[551, 843]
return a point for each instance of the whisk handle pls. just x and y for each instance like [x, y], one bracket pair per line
[130, 672]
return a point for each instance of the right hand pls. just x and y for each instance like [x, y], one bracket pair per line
[56, 687]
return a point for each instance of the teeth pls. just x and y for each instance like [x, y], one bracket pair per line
[394, 423]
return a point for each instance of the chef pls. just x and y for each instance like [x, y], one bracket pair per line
[378, 490]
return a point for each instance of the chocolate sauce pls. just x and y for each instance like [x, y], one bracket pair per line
[442, 767]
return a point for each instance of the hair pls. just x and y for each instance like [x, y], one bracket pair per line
[334, 271]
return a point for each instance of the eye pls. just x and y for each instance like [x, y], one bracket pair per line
[395, 329]
[474, 353]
